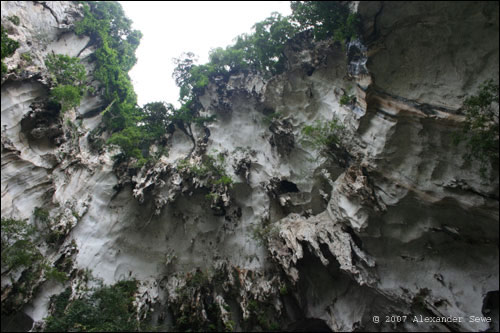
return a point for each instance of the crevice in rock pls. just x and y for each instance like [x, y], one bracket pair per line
[43, 126]
[44, 4]
[308, 325]
[18, 322]
[490, 309]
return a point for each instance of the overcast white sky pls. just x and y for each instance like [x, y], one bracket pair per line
[170, 28]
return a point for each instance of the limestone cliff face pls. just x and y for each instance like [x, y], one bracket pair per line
[398, 224]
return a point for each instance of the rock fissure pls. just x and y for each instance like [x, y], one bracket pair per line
[241, 223]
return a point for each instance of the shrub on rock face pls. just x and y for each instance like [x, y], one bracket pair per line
[9, 46]
[14, 19]
[69, 76]
[68, 96]
[65, 69]
[18, 248]
[105, 309]
[324, 135]
[23, 264]
[480, 130]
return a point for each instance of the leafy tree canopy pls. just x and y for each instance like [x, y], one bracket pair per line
[134, 128]
[262, 50]
[326, 19]
[104, 309]
[109, 28]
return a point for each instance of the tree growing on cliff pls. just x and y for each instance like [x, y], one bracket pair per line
[326, 19]
[480, 129]
[101, 309]
[111, 31]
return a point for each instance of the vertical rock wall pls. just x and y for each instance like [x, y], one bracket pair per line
[401, 224]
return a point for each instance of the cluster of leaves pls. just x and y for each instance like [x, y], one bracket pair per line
[267, 120]
[69, 76]
[188, 317]
[41, 214]
[347, 99]
[326, 19]
[20, 254]
[110, 30]
[52, 237]
[14, 19]
[261, 314]
[324, 136]
[18, 244]
[261, 232]
[211, 168]
[262, 50]
[133, 128]
[480, 130]
[26, 56]
[9, 46]
[104, 309]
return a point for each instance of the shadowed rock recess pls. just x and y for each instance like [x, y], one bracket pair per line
[394, 231]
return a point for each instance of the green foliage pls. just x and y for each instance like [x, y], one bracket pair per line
[263, 231]
[188, 315]
[324, 136]
[69, 76]
[259, 51]
[347, 99]
[157, 117]
[269, 118]
[14, 19]
[224, 180]
[326, 19]
[191, 78]
[480, 130]
[104, 309]
[130, 140]
[9, 46]
[18, 248]
[26, 56]
[66, 95]
[52, 273]
[212, 197]
[61, 301]
[109, 28]
[261, 313]
[42, 214]
[65, 70]
[213, 169]
[262, 50]
[52, 236]
[135, 129]
[229, 326]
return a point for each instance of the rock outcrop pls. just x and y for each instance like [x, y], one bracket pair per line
[397, 223]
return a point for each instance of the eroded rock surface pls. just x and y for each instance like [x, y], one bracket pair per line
[396, 222]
